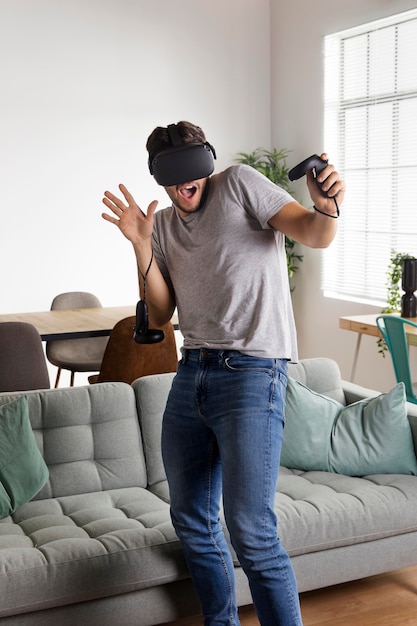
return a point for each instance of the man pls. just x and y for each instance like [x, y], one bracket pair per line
[220, 259]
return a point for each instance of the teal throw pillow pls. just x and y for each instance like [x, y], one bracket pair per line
[23, 472]
[372, 436]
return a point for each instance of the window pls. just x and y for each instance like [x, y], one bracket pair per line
[371, 133]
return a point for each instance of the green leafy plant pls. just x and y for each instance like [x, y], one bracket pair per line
[273, 165]
[394, 275]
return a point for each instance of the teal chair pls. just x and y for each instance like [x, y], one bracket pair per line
[393, 331]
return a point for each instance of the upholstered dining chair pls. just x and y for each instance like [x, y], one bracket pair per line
[75, 355]
[22, 359]
[393, 330]
[124, 360]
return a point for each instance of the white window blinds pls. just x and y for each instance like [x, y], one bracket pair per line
[371, 134]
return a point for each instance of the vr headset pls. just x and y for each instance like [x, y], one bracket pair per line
[183, 162]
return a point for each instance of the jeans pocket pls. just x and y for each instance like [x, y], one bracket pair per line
[247, 363]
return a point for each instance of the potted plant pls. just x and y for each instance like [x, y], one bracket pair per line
[272, 164]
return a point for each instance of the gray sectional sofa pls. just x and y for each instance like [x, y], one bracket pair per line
[96, 545]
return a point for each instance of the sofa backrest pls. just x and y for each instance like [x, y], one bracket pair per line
[320, 374]
[151, 397]
[88, 436]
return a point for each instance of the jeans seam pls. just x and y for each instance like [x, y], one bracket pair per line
[268, 462]
[276, 387]
[211, 534]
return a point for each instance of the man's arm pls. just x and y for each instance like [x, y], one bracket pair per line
[137, 227]
[315, 229]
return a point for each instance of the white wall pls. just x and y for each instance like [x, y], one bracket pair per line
[297, 30]
[83, 83]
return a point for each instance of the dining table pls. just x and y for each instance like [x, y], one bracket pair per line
[73, 323]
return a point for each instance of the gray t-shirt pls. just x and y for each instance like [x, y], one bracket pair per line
[228, 268]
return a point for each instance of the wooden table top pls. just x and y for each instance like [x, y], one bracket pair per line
[73, 323]
[366, 325]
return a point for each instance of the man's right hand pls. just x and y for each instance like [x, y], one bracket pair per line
[135, 225]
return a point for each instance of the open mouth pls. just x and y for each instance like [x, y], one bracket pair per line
[188, 191]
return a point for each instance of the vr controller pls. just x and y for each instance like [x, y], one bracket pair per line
[314, 162]
[142, 334]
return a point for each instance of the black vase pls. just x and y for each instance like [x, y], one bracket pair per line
[409, 285]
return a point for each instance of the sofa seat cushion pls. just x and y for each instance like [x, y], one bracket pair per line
[76, 548]
[323, 510]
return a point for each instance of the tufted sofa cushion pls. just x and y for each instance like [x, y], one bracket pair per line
[74, 548]
[319, 510]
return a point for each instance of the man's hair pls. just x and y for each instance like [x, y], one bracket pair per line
[159, 139]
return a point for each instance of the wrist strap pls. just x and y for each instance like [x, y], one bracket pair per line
[149, 266]
[145, 275]
[328, 214]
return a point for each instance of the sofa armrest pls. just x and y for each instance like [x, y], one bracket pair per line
[354, 392]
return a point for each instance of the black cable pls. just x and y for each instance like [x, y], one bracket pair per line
[328, 214]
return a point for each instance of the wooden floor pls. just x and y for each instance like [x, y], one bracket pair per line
[385, 600]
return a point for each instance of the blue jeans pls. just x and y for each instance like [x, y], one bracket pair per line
[222, 434]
